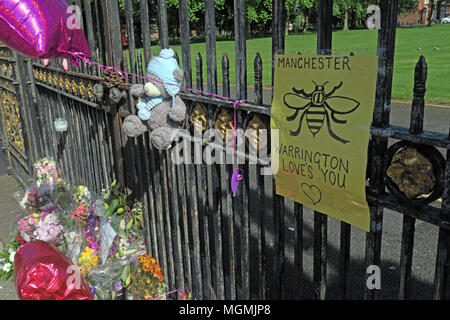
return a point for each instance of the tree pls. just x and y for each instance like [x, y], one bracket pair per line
[306, 8]
[259, 15]
[300, 8]
[196, 13]
[352, 12]
[432, 14]
[407, 5]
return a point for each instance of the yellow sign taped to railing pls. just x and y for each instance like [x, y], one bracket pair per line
[323, 109]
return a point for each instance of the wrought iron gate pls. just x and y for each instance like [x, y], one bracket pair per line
[15, 112]
[248, 247]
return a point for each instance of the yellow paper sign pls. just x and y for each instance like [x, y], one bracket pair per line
[323, 109]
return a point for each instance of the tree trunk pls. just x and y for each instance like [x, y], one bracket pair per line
[432, 13]
[305, 23]
[346, 20]
[438, 11]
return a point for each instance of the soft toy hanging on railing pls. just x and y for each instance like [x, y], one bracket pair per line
[44, 29]
[160, 109]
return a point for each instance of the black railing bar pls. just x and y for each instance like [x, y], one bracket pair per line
[7, 89]
[427, 213]
[239, 154]
[70, 73]
[264, 109]
[402, 133]
[73, 97]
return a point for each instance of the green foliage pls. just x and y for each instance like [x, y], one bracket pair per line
[113, 199]
[407, 5]
[5, 256]
[259, 14]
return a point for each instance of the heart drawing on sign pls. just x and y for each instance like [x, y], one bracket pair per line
[312, 192]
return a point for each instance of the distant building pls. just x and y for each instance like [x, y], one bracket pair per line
[420, 16]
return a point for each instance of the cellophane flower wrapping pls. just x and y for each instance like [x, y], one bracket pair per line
[43, 272]
[102, 235]
[104, 278]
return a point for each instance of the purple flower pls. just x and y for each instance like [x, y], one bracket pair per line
[112, 250]
[133, 259]
[118, 285]
[92, 290]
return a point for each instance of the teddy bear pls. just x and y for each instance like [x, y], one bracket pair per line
[160, 109]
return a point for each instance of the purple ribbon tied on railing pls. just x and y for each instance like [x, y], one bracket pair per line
[238, 174]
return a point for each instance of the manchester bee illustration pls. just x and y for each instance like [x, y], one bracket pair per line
[318, 107]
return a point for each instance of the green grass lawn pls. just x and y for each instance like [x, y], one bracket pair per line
[360, 42]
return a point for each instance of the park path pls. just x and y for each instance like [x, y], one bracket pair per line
[8, 209]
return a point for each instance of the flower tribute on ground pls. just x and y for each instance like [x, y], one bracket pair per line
[102, 235]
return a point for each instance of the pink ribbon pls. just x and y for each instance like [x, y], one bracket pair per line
[238, 174]
[167, 293]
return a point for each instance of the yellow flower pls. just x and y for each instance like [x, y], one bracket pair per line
[87, 260]
[36, 217]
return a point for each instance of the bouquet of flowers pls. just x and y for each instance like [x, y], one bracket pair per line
[46, 171]
[103, 235]
[147, 279]
[109, 280]
[116, 236]
[82, 194]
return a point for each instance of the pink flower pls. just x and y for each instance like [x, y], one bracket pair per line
[94, 245]
[44, 214]
[30, 220]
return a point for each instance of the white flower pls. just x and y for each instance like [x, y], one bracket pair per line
[7, 267]
[23, 202]
[11, 255]
[50, 217]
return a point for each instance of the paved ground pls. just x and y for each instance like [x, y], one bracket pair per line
[8, 209]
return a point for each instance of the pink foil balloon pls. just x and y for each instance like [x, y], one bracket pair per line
[42, 29]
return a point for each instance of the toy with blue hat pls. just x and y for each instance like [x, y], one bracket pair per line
[160, 109]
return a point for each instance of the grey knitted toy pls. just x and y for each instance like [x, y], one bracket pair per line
[160, 109]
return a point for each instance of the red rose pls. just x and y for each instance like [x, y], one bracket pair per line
[20, 239]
